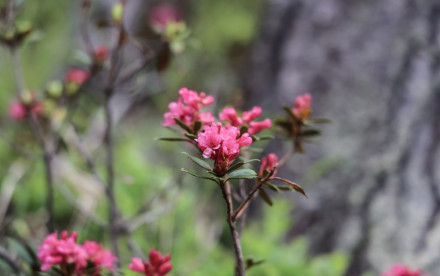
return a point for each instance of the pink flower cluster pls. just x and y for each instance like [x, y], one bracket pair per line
[268, 163]
[222, 144]
[188, 108]
[229, 114]
[161, 15]
[157, 266]
[302, 106]
[402, 270]
[66, 250]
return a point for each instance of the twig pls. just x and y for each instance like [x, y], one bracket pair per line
[11, 262]
[245, 203]
[84, 29]
[108, 142]
[239, 262]
[286, 157]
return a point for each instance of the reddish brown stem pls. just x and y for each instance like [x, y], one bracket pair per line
[239, 261]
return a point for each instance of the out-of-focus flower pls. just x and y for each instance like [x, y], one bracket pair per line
[66, 251]
[17, 111]
[100, 256]
[302, 106]
[61, 251]
[402, 270]
[268, 163]
[229, 114]
[101, 54]
[162, 15]
[222, 144]
[77, 76]
[157, 266]
[188, 109]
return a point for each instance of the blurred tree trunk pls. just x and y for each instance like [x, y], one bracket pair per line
[373, 68]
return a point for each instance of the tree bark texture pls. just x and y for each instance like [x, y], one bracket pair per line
[373, 68]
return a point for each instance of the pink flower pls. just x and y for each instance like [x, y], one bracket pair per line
[302, 106]
[101, 54]
[251, 115]
[157, 266]
[188, 109]
[77, 76]
[66, 251]
[97, 254]
[229, 114]
[268, 163]
[222, 144]
[161, 15]
[62, 251]
[402, 270]
[256, 127]
[17, 111]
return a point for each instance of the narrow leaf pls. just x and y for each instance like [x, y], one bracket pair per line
[311, 132]
[289, 112]
[173, 139]
[320, 120]
[251, 263]
[265, 196]
[295, 186]
[272, 187]
[242, 173]
[199, 176]
[197, 126]
[182, 125]
[240, 164]
[199, 162]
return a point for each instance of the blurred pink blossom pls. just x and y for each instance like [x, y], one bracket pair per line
[402, 270]
[157, 266]
[229, 114]
[302, 106]
[268, 163]
[163, 14]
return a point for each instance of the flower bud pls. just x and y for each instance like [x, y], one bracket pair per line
[118, 12]
[17, 111]
[54, 89]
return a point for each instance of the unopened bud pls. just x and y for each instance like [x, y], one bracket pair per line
[54, 89]
[26, 97]
[118, 12]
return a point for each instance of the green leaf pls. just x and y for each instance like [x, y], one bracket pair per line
[190, 136]
[182, 125]
[320, 120]
[240, 164]
[200, 176]
[199, 162]
[272, 187]
[311, 132]
[268, 137]
[173, 139]
[295, 186]
[243, 129]
[242, 173]
[265, 196]
[251, 263]
[290, 112]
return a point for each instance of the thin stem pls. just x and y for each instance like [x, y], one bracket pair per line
[47, 160]
[18, 72]
[108, 143]
[239, 261]
[286, 157]
[113, 210]
[84, 29]
[245, 203]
